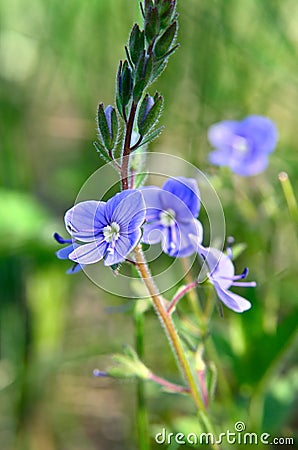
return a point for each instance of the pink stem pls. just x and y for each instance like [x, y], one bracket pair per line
[179, 295]
[167, 384]
[201, 375]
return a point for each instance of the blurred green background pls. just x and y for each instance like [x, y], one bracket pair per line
[57, 61]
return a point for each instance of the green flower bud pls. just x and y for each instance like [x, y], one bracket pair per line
[151, 23]
[136, 43]
[149, 113]
[164, 43]
[124, 85]
[107, 125]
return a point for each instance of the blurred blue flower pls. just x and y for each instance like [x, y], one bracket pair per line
[108, 230]
[171, 215]
[222, 276]
[244, 145]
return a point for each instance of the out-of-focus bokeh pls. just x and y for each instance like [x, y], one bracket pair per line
[57, 61]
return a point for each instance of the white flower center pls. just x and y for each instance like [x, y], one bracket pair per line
[167, 218]
[240, 145]
[111, 232]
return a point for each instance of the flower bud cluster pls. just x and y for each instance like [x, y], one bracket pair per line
[147, 53]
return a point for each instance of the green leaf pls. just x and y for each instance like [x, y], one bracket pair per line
[102, 151]
[143, 75]
[158, 68]
[115, 127]
[126, 84]
[103, 126]
[164, 43]
[166, 9]
[136, 43]
[153, 135]
[152, 116]
[151, 23]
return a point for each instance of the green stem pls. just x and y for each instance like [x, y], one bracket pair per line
[169, 326]
[289, 195]
[142, 413]
[174, 339]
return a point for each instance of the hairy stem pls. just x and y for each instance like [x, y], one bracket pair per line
[174, 339]
[127, 149]
[169, 326]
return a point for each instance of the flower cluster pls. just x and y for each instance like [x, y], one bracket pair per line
[111, 230]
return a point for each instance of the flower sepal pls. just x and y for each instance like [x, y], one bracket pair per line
[127, 365]
[149, 113]
[107, 123]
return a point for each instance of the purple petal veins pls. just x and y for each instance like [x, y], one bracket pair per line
[103, 230]
[171, 215]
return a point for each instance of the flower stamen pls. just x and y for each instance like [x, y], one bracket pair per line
[111, 232]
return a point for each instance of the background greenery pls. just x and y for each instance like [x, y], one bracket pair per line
[57, 61]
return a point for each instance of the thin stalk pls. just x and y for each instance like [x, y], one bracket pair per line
[174, 339]
[289, 195]
[205, 336]
[179, 295]
[169, 327]
[167, 384]
[142, 413]
[194, 301]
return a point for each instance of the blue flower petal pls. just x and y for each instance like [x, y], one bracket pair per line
[127, 209]
[221, 157]
[250, 166]
[152, 233]
[261, 131]
[123, 246]
[85, 220]
[221, 268]
[74, 269]
[176, 241]
[152, 200]
[231, 300]
[89, 253]
[244, 146]
[185, 197]
[64, 252]
[221, 135]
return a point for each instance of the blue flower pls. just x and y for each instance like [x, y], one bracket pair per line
[104, 230]
[244, 146]
[222, 275]
[171, 215]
